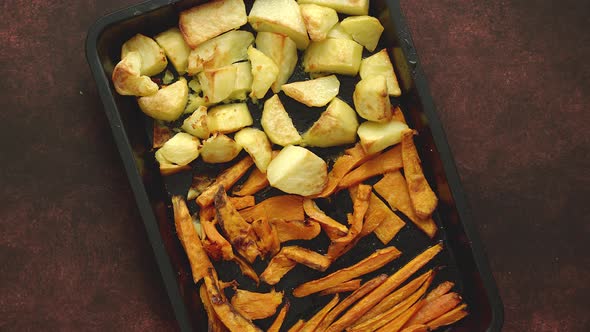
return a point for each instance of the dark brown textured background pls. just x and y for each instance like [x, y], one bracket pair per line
[511, 80]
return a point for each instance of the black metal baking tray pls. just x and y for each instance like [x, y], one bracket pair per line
[463, 257]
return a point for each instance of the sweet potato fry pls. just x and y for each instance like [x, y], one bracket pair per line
[392, 313]
[381, 220]
[314, 321]
[365, 289]
[396, 324]
[239, 233]
[297, 326]
[358, 153]
[215, 325]
[243, 202]
[189, 239]
[333, 227]
[396, 279]
[344, 164]
[255, 182]
[161, 134]
[284, 207]
[307, 257]
[449, 318]
[200, 183]
[398, 115]
[435, 308]
[224, 310]
[256, 305]
[278, 322]
[394, 190]
[439, 291]
[226, 179]
[396, 297]
[386, 162]
[375, 261]
[360, 195]
[417, 328]
[297, 230]
[268, 239]
[217, 246]
[344, 287]
[278, 266]
[423, 198]
[246, 269]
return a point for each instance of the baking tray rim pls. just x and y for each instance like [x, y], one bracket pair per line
[143, 203]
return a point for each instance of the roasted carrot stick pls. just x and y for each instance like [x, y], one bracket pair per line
[226, 179]
[278, 322]
[439, 291]
[344, 287]
[435, 308]
[375, 261]
[189, 239]
[314, 322]
[423, 198]
[386, 288]
[386, 162]
[365, 289]
[396, 324]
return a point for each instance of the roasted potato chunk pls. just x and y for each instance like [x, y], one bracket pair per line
[219, 148]
[377, 136]
[350, 7]
[129, 81]
[218, 84]
[176, 49]
[211, 19]
[229, 118]
[264, 73]
[283, 51]
[153, 58]
[196, 123]
[255, 142]
[314, 93]
[336, 126]
[168, 103]
[220, 51]
[181, 149]
[365, 30]
[371, 99]
[318, 20]
[277, 124]
[338, 56]
[380, 64]
[296, 170]
[279, 16]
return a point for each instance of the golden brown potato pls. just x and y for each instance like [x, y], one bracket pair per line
[371, 99]
[314, 93]
[336, 126]
[220, 51]
[296, 170]
[181, 149]
[168, 103]
[279, 16]
[380, 64]
[153, 58]
[318, 20]
[338, 56]
[283, 51]
[277, 124]
[365, 30]
[219, 148]
[211, 19]
[176, 49]
[128, 80]
[350, 7]
[229, 118]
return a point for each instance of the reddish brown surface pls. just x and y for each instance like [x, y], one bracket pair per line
[511, 82]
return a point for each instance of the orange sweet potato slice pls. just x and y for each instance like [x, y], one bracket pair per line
[307, 257]
[297, 229]
[297, 326]
[375, 261]
[314, 322]
[394, 190]
[280, 319]
[423, 198]
[239, 233]
[397, 324]
[449, 318]
[254, 305]
[381, 220]
[388, 161]
[255, 182]
[226, 179]
[243, 202]
[215, 244]
[190, 240]
[435, 308]
[344, 287]
[268, 241]
[283, 207]
[439, 291]
[278, 266]
[215, 324]
[332, 227]
[396, 279]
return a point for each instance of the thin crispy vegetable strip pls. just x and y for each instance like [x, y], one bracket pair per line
[268, 239]
[215, 325]
[423, 198]
[278, 266]
[278, 322]
[255, 182]
[217, 246]
[246, 269]
[386, 162]
[199, 184]
[449, 318]
[283, 207]
[313, 323]
[394, 190]
[375, 261]
[392, 313]
[187, 234]
[226, 179]
[224, 310]
[439, 291]
[254, 305]
[344, 287]
[365, 289]
[387, 287]
[398, 115]
[358, 153]
[297, 326]
[297, 229]
[435, 308]
[396, 324]
[417, 328]
[239, 233]
[307, 257]
[360, 195]
[381, 220]
[314, 212]
[396, 297]
[243, 202]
